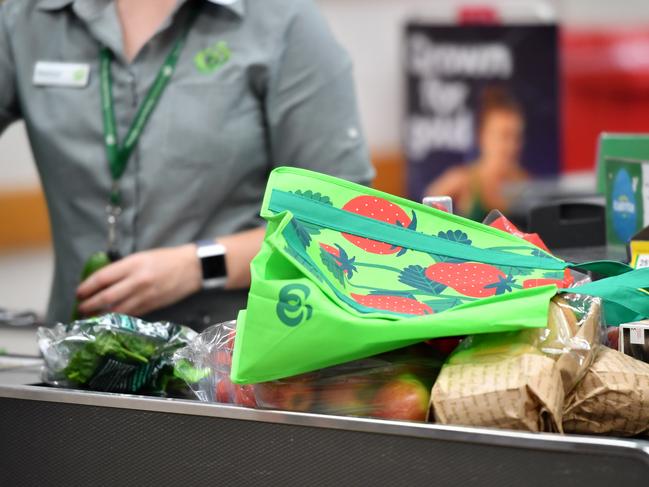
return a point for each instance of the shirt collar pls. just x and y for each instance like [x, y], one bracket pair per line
[237, 6]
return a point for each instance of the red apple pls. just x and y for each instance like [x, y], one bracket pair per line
[350, 395]
[405, 398]
[245, 396]
[224, 390]
[613, 335]
[289, 394]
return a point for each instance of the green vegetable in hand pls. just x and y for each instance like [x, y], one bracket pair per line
[95, 262]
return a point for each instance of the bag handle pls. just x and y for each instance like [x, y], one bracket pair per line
[626, 295]
[606, 268]
[317, 213]
[626, 291]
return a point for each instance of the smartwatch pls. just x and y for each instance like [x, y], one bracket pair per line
[212, 258]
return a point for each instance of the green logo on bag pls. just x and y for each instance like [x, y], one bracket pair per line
[292, 308]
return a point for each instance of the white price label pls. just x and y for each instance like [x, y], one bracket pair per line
[636, 336]
[642, 261]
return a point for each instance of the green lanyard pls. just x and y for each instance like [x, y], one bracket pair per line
[119, 155]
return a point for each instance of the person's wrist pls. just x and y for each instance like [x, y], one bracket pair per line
[192, 265]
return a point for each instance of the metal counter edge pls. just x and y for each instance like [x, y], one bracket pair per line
[539, 441]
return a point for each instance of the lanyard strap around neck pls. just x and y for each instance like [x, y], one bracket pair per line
[119, 155]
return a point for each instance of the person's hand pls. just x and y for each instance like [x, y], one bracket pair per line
[142, 282]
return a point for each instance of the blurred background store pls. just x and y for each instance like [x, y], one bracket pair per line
[603, 80]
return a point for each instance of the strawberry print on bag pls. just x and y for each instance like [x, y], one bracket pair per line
[397, 304]
[382, 210]
[473, 279]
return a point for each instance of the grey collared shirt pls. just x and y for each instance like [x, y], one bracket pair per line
[260, 83]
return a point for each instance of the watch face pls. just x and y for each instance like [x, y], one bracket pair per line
[213, 267]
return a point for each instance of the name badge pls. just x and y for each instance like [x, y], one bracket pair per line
[69, 75]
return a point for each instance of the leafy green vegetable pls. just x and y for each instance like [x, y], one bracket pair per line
[83, 364]
[116, 353]
[184, 370]
[125, 346]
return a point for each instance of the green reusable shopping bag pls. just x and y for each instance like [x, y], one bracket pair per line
[347, 272]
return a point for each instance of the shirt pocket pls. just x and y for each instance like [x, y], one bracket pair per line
[214, 127]
[204, 127]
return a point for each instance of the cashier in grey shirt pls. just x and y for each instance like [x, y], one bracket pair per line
[172, 113]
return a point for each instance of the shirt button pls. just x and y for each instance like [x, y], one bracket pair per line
[352, 133]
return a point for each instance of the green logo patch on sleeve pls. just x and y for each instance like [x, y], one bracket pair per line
[212, 58]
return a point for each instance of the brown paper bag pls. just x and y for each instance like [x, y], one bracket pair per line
[613, 397]
[521, 393]
[519, 380]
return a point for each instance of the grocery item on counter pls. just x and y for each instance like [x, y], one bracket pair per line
[572, 336]
[613, 397]
[611, 337]
[518, 380]
[442, 203]
[113, 353]
[395, 385]
[347, 272]
[633, 340]
[520, 392]
[496, 219]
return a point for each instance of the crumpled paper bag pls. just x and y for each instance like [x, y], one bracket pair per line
[519, 380]
[613, 397]
[519, 393]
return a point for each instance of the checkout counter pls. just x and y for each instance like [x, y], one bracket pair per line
[61, 437]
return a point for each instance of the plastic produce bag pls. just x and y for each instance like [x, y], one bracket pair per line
[495, 219]
[394, 385]
[347, 272]
[573, 337]
[613, 397]
[113, 353]
[518, 380]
